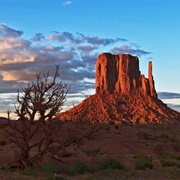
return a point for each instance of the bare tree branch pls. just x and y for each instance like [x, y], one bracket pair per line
[38, 104]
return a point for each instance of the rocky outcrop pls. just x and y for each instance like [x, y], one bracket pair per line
[121, 74]
[123, 95]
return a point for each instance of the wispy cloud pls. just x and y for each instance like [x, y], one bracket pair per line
[8, 32]
[67, 3]
[129, 49]
[168, 95]
[80, 38]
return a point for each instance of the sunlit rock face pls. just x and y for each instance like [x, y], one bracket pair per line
[123, 95]
[121, 74]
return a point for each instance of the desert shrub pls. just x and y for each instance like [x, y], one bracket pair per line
[112, 163]
[3, 142]
[169, 163]
[81, 168]
[84, 167]
[165, 162]
[90, 177]
[174, 156]
[143, 162]
[50, 168]
[28, 171]
[170, 160]
[71, 171]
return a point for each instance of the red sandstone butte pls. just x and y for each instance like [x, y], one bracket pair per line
[123, 95]
[121, 74]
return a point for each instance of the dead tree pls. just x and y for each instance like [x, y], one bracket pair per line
[38, 105]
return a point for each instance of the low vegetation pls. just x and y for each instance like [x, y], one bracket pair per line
[170, 160]
[143, 162]
[128, 152]
[82, 167]
[113, 163]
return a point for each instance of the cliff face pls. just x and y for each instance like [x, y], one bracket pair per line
[123, 95]
[121, 74]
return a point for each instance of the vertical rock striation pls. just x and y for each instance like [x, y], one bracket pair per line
[121, 74]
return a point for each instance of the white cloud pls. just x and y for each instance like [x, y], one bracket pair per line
[67, 3]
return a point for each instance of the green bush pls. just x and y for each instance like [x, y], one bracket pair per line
[112, 163]
[27, 171]
[51, 168]
[111, 123]
[170, 160]
[81, 168]
[174, 156]
[165, 163]
[143, 162]
[90, 177]
[71, 171]
[169, 163]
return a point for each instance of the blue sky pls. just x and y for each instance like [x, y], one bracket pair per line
[36, 34]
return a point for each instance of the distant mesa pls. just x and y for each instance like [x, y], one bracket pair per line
[123, 95]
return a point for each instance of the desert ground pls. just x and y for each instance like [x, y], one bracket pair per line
[113, 152]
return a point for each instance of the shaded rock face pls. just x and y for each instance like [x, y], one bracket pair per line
[123, 95]
[121, 74]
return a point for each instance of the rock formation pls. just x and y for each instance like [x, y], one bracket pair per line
[151, 80]
[123, 95]
[120, 74]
